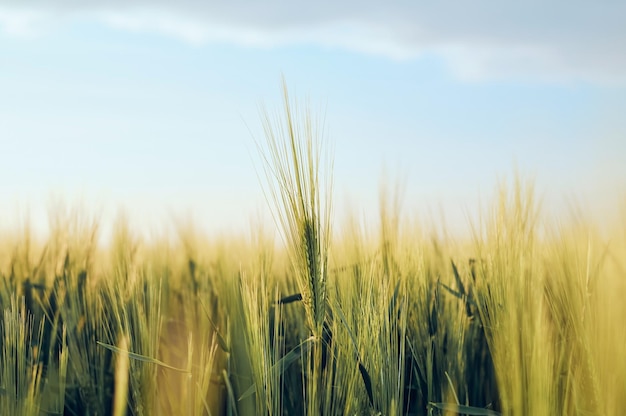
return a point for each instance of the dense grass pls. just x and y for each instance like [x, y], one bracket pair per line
[526, 318]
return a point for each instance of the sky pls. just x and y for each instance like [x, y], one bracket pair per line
[152, 107]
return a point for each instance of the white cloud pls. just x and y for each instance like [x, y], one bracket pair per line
[23, 23]
[560, 41]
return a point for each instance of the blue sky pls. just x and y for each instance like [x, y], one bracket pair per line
[154, 108]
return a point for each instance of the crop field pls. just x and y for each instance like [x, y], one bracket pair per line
[525, 317]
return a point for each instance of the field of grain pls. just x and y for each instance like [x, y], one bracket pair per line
[524, 318]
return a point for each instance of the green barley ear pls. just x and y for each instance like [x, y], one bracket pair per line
[301, 198]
